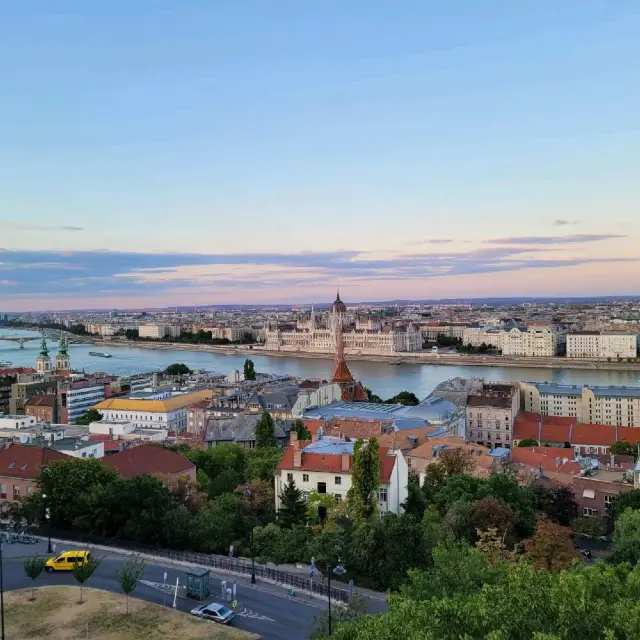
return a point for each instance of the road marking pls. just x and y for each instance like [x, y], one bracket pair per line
[253, 615]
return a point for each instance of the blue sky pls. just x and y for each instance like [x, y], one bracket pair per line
[160, 153]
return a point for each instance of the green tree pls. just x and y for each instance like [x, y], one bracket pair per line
[491, 512]
[550, 547]
[416, 501]
[301, 430]
[129, 574]
[528, 442]
[624, 448]
[82, 571]
[177, 369]
[363, 495]
[257, 500]
[626, 500]
[372, 397]
[625, 546]
[588, 527]
[262, 463]
[265, 432]
[404, 397]
[89, 416]
[33, 567]
[249, 370]
[221, 523]
[293, 509]
[349, 613]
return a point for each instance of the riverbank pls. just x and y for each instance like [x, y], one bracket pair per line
[424, 357]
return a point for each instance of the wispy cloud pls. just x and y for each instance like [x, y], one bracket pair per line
[432, 241]
[34, 226]
[577, 238]
[563, 223]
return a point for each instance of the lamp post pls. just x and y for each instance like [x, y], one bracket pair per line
[339, 571]
[249, 494]
[47, 518]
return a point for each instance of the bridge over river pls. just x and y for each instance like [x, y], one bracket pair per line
[20, 340]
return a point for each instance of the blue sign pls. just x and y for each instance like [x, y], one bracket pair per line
[312, 570]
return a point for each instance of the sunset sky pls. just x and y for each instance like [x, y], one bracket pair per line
[157, 152]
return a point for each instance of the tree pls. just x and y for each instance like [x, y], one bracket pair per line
[492, 544]
[129, 574]
[356, 608]
[293, 509]
[265, 432]
[455, 462]
[528, 442]
[262, 463]
[177, 369]
[257, 499]
[416, 501]
[82, 571]
[590, 527]
[185, 493]
[624, 448]
[89, 416]
[372, 397]
[404, 397]
[33, 567]
[363, 495]
[564, 508]
[221, 523]
[493, 513]
[625, 546]
[301, 430]
[550, 547]
[249, 370]
[626, 500]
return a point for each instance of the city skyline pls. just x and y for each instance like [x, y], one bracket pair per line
[198, 155]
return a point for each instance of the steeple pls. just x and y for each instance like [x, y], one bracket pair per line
[44, 351]
[341, 372]
[312, 319]
[43, 362]
[62, 359]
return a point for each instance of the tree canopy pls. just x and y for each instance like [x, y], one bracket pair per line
[89, 416]
[178, 369]
[249, 370]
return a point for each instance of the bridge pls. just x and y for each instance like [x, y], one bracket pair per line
[20, 341]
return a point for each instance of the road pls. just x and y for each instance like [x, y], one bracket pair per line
[267, 612]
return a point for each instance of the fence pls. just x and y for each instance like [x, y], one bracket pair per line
[221, 563]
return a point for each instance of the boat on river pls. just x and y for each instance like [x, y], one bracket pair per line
[100, 354]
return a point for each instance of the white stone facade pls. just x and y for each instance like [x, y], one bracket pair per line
[602, 346]
[534, 341]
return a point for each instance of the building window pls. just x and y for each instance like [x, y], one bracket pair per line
[16, 492]
[608, 499]
[586, 511]
[382, 495]
[338, 480]
[289, 477]
[322, 487]
[305, 477]
[3, 491]
[338, 497]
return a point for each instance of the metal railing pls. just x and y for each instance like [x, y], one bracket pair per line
[221, 563]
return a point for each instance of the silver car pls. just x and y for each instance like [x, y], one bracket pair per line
[214, 612]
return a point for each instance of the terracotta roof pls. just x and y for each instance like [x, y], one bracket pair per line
[558, 429]
[44, 400]
[400, 439]
[313, 425]
[25, 461]
[355, 428]
[150, 459]
[556, 459]
[479, 454]
[16, 370]
[332, 463]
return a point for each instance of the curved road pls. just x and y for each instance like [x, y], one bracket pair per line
[267, 612]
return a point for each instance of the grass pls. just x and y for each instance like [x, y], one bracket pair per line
[55, 614]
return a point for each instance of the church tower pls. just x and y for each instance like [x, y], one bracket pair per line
[43, 363]
[62, 359]
[351, 391]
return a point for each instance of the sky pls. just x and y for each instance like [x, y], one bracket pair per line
[194, 152]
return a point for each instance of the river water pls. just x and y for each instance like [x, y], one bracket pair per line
[383, 379]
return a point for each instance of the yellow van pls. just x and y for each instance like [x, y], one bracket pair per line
[66, 560]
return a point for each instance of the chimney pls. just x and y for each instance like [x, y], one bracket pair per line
[345, 461]
[293, 437]
[297, 458]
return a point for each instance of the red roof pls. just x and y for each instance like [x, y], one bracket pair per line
[555, 459]
[150, 459]
[332, 463]
[25, 461]
[313, 425]
[16, 370]
[43, 400]
[558, 429]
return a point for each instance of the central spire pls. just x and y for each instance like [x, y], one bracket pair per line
[341, 372]
[44, 350]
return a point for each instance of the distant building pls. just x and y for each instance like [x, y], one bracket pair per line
[43, 362]
[589, 404]
[159, 331]
[602, 346]
[540, 340]
[77, 397]
[491, 413]
[44, 408]
[240, 430]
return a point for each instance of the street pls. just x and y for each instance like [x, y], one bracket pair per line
[265, 610]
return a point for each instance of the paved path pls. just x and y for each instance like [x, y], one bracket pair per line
[267, 610]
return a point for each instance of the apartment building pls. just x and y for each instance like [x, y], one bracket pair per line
[431, 330]
[540, 340]
[613, 405]
[326, 466]
[159, 331]
[602, 345]
[44, 407]
[477, 336]
[490, 414]
[153, 410]
[77, 398]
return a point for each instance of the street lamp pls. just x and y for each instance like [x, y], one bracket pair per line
[1, 593]
[339, 571]
[249, 494]
[47, 517]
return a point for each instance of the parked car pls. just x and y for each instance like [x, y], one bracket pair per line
[585, 553]
[66, 560]
[214, 612]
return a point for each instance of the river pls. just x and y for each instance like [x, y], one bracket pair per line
[383, 379]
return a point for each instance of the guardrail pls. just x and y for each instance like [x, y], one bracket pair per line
[221, 563]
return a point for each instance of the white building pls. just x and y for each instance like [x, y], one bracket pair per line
[16, 422]
[111, 428]
[491, 413]
[602, 346]
[326, 466]
[540, 340]
[618, 406]
[153, 410]
[159, 331]
[75, 401]
[477, 336]
[79, 447]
